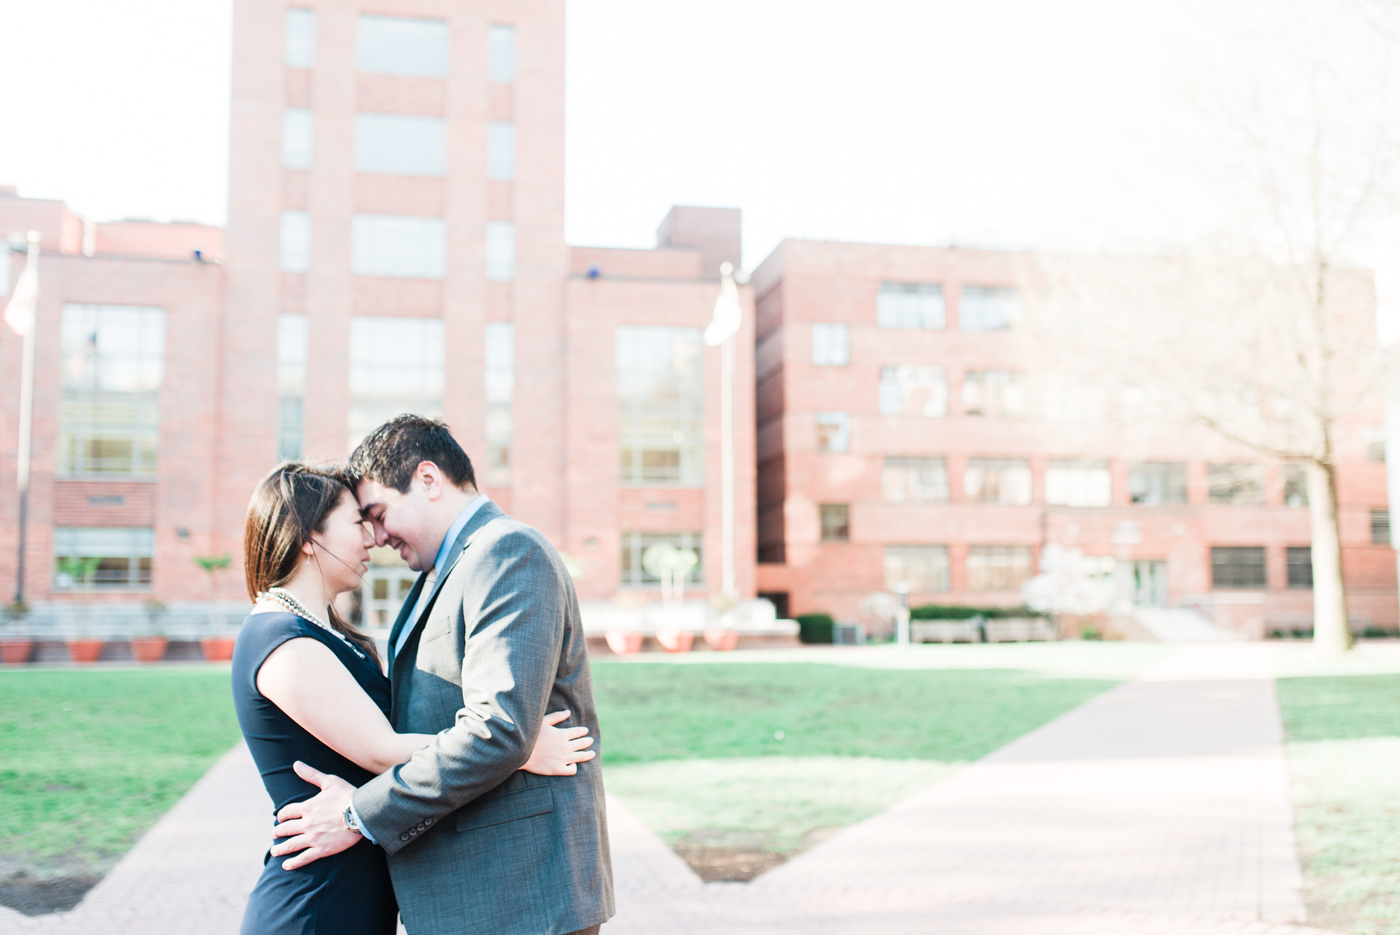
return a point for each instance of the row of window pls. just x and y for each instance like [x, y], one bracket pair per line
[114, 365]
[1080, 483]
[397, 246]
[903, 306]
[120, 558]
[397, 144]
[410, 47]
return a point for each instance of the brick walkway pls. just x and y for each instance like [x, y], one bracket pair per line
[1160, 807]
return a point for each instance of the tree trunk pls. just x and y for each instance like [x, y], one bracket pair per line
[1331, 634]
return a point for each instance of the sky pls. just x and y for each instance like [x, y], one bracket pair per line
[998, 123]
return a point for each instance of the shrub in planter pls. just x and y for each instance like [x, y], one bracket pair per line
[148, 648]
[15, 644]
[217, 648]
[84, 651]
[815, 628]
[722, 640]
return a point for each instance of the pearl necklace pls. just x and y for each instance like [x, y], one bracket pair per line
[288, 600]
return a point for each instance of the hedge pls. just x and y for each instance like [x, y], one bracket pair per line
[815, 628]
[964, 612]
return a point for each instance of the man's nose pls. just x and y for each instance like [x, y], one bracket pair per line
[380, 536]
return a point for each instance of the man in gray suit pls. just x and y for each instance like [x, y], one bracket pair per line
[487, 642]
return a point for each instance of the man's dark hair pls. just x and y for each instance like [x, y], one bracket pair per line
[391, 453]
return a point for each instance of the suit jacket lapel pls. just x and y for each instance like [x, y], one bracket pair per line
[484, 515]
[402, 619]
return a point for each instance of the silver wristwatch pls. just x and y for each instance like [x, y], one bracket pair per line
[350, 821]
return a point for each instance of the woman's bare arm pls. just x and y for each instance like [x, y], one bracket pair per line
[304, 678]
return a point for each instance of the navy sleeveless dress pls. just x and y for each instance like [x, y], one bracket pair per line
[345, 894]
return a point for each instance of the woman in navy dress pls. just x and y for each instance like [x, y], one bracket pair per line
[308, 687]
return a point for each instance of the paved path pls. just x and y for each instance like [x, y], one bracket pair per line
[1160, 807]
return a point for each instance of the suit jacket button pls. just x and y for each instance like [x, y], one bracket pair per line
[421, 826]
[404, 836]
[427, 821]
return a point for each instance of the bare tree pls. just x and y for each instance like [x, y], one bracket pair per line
[1264, 331]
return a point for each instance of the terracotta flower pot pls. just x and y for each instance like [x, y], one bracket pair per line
[15, 652]
[84, 651]
[624, 642]
[217, 648]
[722, 640]
[675, 641]
[149, 648]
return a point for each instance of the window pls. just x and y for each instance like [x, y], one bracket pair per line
[998, 567]
[396, 366]
[500, 396]
[500, 251]
[297, 135]
[835, 522]
[291, 384]
[1236, 483]
[1380, 527]
[831, 344]
[103, 558]
[113, 366]
[404, 247]
[911, 306]
[1295, 485]
[1238, 567]
[660, 390]
[988, 308]
[296, 241]
[916, 569]
[993, 393]
[915, 480]
[501, 54]
[398, 144]
[398, 45]
[910, 390]
[1078, 483]
[833, 432]
[634, 546]
[1300, 566]
[1375, 442]
[299, 39]
[500, 151]
[1157, 483]
[998, 480]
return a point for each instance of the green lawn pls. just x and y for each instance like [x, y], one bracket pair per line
[657, 711]
[90, 759]
[740, 765]
[1344, 751]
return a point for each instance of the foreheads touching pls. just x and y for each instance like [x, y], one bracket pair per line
[412, 480]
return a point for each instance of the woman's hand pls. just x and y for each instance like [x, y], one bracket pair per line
[558, 749]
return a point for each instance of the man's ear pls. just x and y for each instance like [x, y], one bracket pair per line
[430, 476]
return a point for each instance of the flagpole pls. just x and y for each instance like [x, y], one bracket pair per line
[26, 415]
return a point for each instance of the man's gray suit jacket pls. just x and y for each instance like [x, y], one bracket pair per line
[475, 844]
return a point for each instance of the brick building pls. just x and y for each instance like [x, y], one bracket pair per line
[395, 243]
[909, 436]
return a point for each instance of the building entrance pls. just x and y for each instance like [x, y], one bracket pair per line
[383, 592]
[1147, 580]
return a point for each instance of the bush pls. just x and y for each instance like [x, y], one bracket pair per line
[963, 612]
[815, 628]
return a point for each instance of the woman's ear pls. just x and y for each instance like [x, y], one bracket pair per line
[307, 548]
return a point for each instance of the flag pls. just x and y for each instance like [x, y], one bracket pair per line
[19, 313]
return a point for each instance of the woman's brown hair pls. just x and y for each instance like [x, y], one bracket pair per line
[289, 505]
